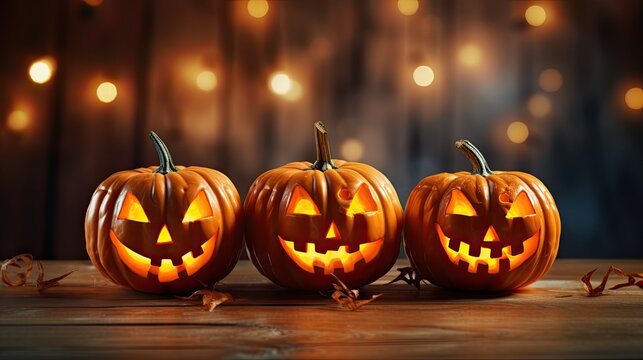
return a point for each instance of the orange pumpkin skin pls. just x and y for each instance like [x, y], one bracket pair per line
[368, 235]
[483, 230]
[201, 250]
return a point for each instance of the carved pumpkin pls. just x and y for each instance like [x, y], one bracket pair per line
[165, 229]
[305, 221]
[485, 230]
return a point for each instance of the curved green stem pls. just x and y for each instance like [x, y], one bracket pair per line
[480, 166]
[165, 159]
[324, 161]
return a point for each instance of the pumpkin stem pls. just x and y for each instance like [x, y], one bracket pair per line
[480, 166]
[165, 158]
[324, 161]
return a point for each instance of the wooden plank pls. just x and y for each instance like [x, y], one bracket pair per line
[552, 318]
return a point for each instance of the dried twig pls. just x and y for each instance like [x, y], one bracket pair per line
[211, 298]
[597, 291]
[349, 298]
[42, 284]
[409, 276]
[19, 276]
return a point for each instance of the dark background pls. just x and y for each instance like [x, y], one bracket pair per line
[354, 61]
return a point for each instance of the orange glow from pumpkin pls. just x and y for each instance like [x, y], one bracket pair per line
[530, 246]
[301, 203]
[333, 232]
[199, 208]
[332, 259]
[362, 202]
[132, 209]
[460, 205]
[491, 235]
[164, 236]
[521, 207]
[167, 272]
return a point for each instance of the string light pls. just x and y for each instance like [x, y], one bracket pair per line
[634, 98]
[539, 105]
[352, 149]
[106, 92]
[206, 80]
[469, 55]
[41, 71]
[535, 15]
[550, 80]
[408, 7]
[280, 83]
[423, 76]
[258, 8]
[18, 120]
[517, 132]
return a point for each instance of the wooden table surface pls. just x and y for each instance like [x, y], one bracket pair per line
[89, 317]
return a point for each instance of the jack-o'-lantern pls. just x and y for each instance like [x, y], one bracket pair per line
[165, 229]
[485, 230]
[307, 221]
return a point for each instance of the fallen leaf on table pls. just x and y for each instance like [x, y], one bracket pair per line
[597, 291]
[409, 276]
[42, 284]
[17, 270]
[211, 298]
[349, 298]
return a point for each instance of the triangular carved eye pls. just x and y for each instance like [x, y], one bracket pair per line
[199, 208]
[521, 207]
[132, 209]
[362, 202]
[301, 203]
[460, 205]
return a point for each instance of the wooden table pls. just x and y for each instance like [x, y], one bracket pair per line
[89, 317]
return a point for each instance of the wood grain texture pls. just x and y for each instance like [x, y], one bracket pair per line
[89, 317]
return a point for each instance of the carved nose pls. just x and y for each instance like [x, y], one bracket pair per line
[491, 235]
[333, 233]
[164, 237]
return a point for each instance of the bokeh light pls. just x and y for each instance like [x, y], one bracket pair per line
[517, 132]
[539, 105]
[535, 15]
[18, 120]
[352, 149]
[423, 75]
[550, 80]
[470, 55]
[408, 7]
[206, 80]
[106, 92]
[295, 92]
[280, 83]
[258, 8]
[41, 71]
[634, 98]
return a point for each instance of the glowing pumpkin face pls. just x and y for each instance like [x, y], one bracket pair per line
[306, 221]
[161, 256]
[166, 229]
[482, 230]
[327, 250]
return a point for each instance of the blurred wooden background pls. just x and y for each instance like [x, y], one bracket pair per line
[352, 63]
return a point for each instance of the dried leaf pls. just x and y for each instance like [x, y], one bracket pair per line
[597, 291]
[42, 284]
[349, 298]
[19, 276]
[211, 298]
[409, 276]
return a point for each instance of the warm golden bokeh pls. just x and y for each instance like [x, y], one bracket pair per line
[352, 149]
[41, 71]
[106, 92]
[18, 120]
[408, 7]
[280, 83]
[206, 80]
[550, 80]
[258, 8]
[423, 76]
[535, 15]
[539, 105]
[517, 132]
[470, 55]
[634, 98]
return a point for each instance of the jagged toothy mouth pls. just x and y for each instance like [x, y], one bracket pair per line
[168, 270]
[494, 259]
[331, 259]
